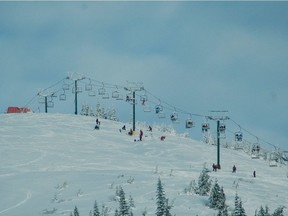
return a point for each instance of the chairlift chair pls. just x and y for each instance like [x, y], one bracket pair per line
[161, 114]
[146, 108]
[41, 100]
[62, 97]
[65, 86]
[238, 136]
[92, 93]
[88, 87]
[205, 127]
[115, 94]
[189, 123]
[158, 109]
[105, 96]
[50, 104]
[120, 97]
[78, 90]
[174, 117]
[101, 91]
[222, 128]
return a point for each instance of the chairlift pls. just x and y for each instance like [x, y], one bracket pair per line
[205, 127]
[238, 136]
[222, 128]
[105, 96]
[62, 97]
[158, 109]
[146, 108]
[174, 117]
[41, 100]
[101, 91]
[65, 86]
[50, 104]
[120, 97]
[92, 93]
[143, 99]
[88, 86]
[161, 114]
[189, 123]
[115, 94]
[78, 90]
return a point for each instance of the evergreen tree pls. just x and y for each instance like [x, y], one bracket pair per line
[263, 212]
[96, 210]
[123, 206]
[217, 197]
[204, 183]
[163, 207]
[279, 211]
[161, 199]
[131, 202]
[76, 213]
[116, 213]
[239, 210]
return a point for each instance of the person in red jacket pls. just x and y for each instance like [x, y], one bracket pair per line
[141, 135]
[234, 169]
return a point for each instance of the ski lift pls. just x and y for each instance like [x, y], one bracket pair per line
[189, 123]
[62, 97]
[50, 104]
[238, 136]
[146, 108]
[143, 99]
[41, 100]
[174, 117]
[205, 127]
[88, 86]
[273, 158]
[115, 94]
[222, 128]
[120, 97]
[101, 91]
[129, 97]
[65, 86]
[161, 114]
[78, 90]
[92, 93]
[158, 109]
[105, 96]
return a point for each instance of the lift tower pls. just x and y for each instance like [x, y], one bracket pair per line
[133, 87]
[219, 116]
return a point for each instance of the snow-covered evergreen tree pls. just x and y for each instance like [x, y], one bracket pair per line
[96, 209]
[76, 213]
[123, 206]
[217, 197]
[161, 199]
[131, 202]
[204, 183]
[163, 207]
[239, 210]
[279, 211]
[223, 212]
[263, 212]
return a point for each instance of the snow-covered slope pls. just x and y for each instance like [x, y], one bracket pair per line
[50, 163]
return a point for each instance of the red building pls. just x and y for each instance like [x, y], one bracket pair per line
[18, 110]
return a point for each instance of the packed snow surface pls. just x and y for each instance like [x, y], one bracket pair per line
[50, 163]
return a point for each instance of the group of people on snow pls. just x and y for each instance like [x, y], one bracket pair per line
[215, 167]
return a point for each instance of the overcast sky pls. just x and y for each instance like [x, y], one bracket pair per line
[199, 56]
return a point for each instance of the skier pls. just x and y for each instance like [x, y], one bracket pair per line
[140, 135]
[214, 166]
[234, 169]
[150, 128]
[254, 174]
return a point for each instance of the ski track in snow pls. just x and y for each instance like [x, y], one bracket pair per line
[28, 196]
